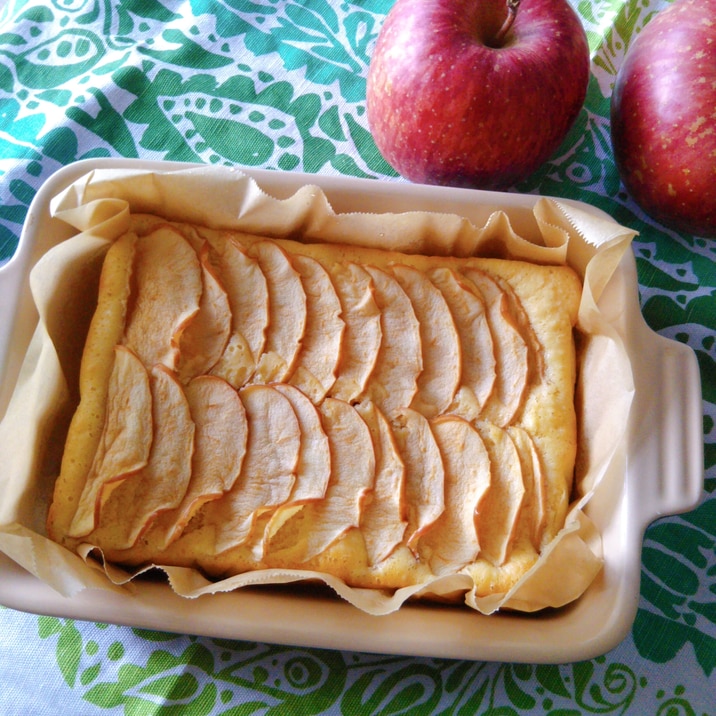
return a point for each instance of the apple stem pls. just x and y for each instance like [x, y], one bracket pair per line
[512, 7]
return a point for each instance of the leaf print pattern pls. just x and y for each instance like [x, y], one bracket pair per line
[216, 676]
[280, 84]
[679, 585]
[206, 677]
[197, 97]
[625, 22]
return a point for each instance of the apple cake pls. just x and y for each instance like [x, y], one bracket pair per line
[249, 403]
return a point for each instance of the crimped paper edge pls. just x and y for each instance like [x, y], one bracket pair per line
[99, 205]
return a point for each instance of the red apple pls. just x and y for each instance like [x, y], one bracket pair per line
[663, 118]
[475, 93]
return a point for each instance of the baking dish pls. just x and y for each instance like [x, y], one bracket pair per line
[661, 473]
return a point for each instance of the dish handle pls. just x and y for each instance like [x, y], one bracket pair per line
[667, 427]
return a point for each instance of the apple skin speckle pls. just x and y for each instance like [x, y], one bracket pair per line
[663, 114]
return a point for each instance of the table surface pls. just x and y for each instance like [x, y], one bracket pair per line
[281, 85]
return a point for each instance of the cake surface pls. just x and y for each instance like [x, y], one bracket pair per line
[250, 403]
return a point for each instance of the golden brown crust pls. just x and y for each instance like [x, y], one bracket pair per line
[95, 369]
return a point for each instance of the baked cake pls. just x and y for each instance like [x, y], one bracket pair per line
[252, 403]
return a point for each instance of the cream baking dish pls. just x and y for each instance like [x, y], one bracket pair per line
[661, 473]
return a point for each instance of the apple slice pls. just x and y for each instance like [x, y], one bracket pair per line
[478, 357]
[534, 505]
[362, 335]
[287, 313]
[167, 281]
[317, 361]
[248, 295]
[220, 439]
[269, 469]
[125, 441]
[352, 477]
[383, 520]
[161, 485]
[452, 542]
[189, 232]
[314, 462]
[204, 340]
[424, 480]
[511, 351]
[439, 340]
[313, 470]
[498, 512]
[523, 323]
[393, 383]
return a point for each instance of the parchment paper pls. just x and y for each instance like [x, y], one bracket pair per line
[64, 284]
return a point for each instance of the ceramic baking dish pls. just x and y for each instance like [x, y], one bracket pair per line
[662, 474]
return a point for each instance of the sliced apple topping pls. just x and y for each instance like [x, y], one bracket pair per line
[352, 477]
[248, 295]
[534, 504]
[424, 480]
[317, 361]
[204, 340]
[190, 233]
[168, 287]
[498, 512]
[439, 340]
[269, 469]
[220, 439]
[383, 520]
[287, 313]
[312, 471]
[524, 325]
[276, 407]
[362, 335]
[161, 485]
[511, 351]
[452, 542]
[125, 441]
[478, 356]
[314, 464]
[393, 383]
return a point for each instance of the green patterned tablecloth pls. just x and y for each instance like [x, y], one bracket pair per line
[280, 84]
